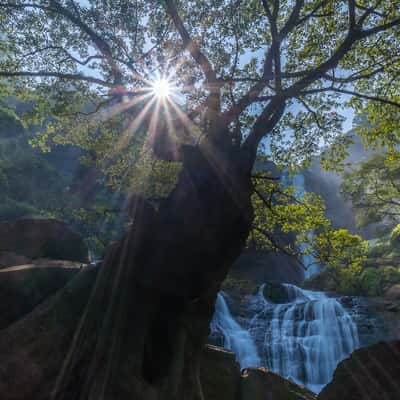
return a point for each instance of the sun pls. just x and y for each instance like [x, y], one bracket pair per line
[161, 88]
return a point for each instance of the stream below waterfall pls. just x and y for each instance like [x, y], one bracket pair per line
[302, 339]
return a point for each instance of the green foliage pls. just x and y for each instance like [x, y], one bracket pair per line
[395, 237]
[371, 281]
[391, 276]
[10, 122]
[374, 190]
[98, 224]
[339, 248]
[372, 278]
[153, 178]
[374, 281]
[33, 186]
[379, 249]
[343, 253]
[11, 209]
[279, 211]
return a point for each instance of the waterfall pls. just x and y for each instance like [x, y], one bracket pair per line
[298, 183]
[302, 340]
[236, 338]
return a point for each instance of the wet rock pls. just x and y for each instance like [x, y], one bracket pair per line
[393, 307]
[276, 293]
[346, 301]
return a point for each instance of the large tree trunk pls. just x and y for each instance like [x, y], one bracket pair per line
[147, 318]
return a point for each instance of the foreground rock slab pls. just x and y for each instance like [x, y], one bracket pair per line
[24, 287]
[370, 373]
[222, 380]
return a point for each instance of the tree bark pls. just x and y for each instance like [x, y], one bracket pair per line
[147, 318]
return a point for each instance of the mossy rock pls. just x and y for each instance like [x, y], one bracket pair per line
[393, 293]
[239, 286]
[321, 281]
[276, 293]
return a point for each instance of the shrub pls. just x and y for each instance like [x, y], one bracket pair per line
[390, 276]
[371, 281]
[379, 250]
[395, 237]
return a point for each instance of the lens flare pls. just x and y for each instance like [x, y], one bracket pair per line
[161, 88]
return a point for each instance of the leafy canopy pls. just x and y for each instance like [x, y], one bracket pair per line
[374, 190]
[242, 71]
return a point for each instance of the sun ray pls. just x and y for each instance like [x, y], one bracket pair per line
[133, 126]
[115, 109]
[162, 88]
[191, 127]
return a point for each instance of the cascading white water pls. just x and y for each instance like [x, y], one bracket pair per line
[298, 183]
[304, 339]
[236, 338]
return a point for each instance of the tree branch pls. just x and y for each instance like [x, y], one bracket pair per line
[352, 93]
[194, 50]
[272, 56]
[267, 120]
[312, 112]
[380, 28]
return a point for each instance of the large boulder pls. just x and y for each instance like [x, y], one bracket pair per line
[276, 293]
[261, 384]
[393, 293]
[33, 349]
[47, 238]
[261, 266]
[221, 380]
[11, 259]
[370, 373]
[24, 287]
[220, 374]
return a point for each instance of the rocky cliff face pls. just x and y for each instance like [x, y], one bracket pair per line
[258, 266]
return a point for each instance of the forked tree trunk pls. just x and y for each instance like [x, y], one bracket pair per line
[148, 315]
